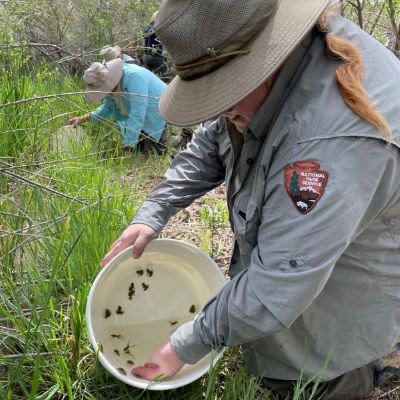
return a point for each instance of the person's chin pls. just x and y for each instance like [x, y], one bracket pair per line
[240, 127]
[241, 123]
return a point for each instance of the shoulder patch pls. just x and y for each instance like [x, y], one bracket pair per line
[305, 184]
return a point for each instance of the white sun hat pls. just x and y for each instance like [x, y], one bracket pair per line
[101, 79]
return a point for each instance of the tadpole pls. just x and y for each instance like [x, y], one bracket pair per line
[126, 349]
[116, 336]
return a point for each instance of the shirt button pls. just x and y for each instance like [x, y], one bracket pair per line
[293, 263]
[250, 161]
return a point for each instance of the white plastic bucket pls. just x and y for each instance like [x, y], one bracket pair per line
[67, 137]
[134, 305]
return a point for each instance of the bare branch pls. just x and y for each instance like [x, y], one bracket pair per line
[60, 95]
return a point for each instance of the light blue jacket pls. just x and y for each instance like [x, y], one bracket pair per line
[141, 90]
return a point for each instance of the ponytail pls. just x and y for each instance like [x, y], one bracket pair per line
[349, 77]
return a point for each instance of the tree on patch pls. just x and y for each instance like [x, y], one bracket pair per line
[294, 183]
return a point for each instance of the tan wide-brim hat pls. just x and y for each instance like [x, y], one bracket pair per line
[101, 79]
[189, 102]
[109, 53]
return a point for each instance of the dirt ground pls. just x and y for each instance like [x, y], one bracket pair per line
[186, 225]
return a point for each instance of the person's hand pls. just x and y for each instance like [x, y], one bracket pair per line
[163, 361]
[77, 120]
[74, 121]
[138, 235]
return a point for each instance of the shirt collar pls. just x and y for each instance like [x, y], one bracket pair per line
[286, 79]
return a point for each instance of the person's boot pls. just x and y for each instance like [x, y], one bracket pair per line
[182, 140]
[161, 145]
[383, 374]
[127, 151]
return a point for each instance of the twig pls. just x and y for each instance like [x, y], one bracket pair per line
[385, 394]
[371, 31]
[55, 46]
[28, 311]
[60, 95]
[38, 164]
[36, 184]
[50, 221]
[19, 355]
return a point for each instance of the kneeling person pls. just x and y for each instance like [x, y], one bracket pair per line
[130, 96]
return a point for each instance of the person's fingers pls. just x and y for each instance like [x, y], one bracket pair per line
[137, 235]
[148, 371]
[74, 121]
[151, 365]
[115, 249]
[120, 244]
[141, 242]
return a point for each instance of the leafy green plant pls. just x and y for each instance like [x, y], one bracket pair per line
[213, 216]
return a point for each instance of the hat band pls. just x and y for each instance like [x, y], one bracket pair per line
[212, 51]
[208, 60]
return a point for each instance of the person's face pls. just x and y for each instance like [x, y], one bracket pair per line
[242, 113]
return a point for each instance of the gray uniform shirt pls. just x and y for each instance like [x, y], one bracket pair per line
[312, 278]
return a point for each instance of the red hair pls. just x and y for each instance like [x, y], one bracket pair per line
[349, 77]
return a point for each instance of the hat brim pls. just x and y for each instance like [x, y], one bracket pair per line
[187, 103]
[95, 94]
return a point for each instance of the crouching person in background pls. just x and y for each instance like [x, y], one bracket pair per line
[130, 96]
[109, 53]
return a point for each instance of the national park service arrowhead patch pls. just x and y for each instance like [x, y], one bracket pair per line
[305, 184]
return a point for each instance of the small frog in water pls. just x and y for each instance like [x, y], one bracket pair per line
[107, 313]
[139, 272]
[131, 291]
[144, 286]
[149, 272]
[119, 310]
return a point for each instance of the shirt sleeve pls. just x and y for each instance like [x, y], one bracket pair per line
[104, 111]
[138, 89]
[192, 173]
[295, 252]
